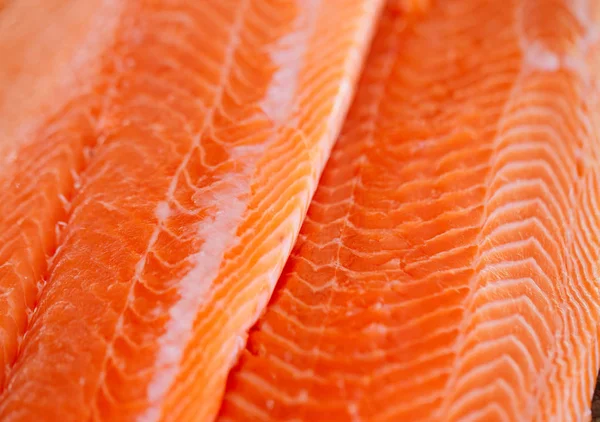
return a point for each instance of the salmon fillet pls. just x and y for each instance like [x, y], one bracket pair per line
[166, 191]
[447, 269]
[46, 131]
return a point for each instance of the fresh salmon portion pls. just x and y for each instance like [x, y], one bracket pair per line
[167, 195]
[44, 139]
[447, 269]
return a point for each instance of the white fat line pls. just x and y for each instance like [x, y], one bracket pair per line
[219, 233]
[288, 56]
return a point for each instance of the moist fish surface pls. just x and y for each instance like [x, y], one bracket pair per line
[150, 197]
[447, 269]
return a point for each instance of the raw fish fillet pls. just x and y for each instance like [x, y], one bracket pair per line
[46, 131]
[150, 196]
[448, 267]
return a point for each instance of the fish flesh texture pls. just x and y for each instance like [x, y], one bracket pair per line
[44, 140]
[150, 196]
[448, 266]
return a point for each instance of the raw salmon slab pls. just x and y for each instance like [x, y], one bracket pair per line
[157, 160]
[448, 267]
